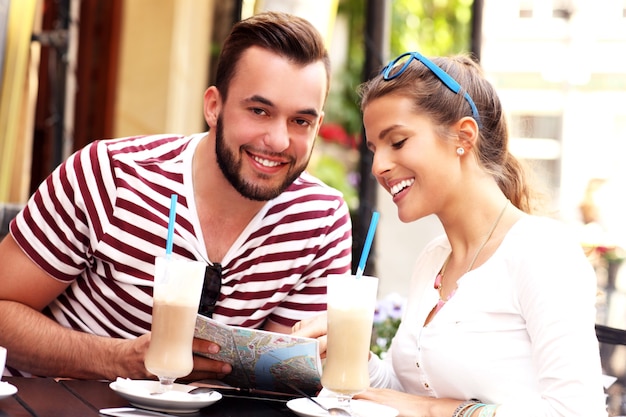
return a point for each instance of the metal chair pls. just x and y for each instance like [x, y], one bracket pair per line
[7, 212]
[612, 350]
[610, 335]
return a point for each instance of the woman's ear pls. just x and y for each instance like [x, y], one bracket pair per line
[212, 106]
[467, 132]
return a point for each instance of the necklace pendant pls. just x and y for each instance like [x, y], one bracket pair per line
[438, 281]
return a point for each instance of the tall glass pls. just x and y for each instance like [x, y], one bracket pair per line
[351, 306]
[177, 289]
[3, 358]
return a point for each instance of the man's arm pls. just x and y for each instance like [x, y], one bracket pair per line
[271, 326]
[39, 345]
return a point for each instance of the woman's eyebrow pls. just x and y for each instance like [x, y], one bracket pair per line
[388, 130]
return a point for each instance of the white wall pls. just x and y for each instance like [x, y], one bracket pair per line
[164, 59]
[398, 245]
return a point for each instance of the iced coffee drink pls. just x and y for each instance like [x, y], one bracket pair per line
[177, 289]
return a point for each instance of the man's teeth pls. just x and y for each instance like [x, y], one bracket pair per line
[266, 162]
[401, 186]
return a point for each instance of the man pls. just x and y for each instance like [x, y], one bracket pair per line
[76, 272]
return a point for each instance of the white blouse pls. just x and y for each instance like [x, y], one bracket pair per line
[519, 331]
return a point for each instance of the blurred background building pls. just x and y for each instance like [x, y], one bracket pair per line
[557, 67]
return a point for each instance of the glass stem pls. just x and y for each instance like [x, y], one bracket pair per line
[166, 384]
[343, 401]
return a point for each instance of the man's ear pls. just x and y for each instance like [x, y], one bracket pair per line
[319, 125]
[212, 106]
[467, 132]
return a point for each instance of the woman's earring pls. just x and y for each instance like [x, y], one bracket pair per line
[460, 151]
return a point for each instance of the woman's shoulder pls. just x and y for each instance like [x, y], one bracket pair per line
[542, 228]
[543, 236]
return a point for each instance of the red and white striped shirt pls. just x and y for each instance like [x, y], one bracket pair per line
[101, 217]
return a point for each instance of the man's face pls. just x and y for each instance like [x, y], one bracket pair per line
[266, 128]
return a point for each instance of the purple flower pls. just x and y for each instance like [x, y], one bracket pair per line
[392, 306]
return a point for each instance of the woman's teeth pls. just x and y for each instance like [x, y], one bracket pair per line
[401, 186]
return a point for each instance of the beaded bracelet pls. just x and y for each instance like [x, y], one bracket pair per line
[488, 411]
[468, 412]
[465, 404]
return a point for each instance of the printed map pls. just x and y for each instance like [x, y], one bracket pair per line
[264, 360]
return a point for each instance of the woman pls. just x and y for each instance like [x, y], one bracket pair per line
[501, 309]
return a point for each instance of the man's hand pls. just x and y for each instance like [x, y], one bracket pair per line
[131, 354]
[206, 368]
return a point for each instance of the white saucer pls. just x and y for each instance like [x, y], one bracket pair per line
[6, 390]
[362, 408]
[138, 393]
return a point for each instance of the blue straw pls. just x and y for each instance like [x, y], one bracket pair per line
[368, 244]
[170, 226]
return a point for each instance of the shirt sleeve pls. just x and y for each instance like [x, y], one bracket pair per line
[557, 296]
[381, 373]
[59, 226]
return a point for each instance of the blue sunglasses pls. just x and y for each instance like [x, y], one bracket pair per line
[392, 70]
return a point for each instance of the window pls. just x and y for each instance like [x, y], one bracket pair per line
[526, 9]
[562, 9]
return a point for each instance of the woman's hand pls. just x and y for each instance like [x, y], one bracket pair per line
[314, 327]
[410, 405]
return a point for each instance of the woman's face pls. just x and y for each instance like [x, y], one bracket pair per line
[412, 161]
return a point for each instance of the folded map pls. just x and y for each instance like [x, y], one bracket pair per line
[263, 360]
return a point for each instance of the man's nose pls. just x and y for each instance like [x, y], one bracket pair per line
[277, 137]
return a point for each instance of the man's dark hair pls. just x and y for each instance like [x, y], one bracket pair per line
[286, 35]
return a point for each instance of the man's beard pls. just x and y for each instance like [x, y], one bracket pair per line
[231, 168]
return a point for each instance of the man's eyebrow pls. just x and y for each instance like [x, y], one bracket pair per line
[262, 100]
[259, 99]
[309, 112]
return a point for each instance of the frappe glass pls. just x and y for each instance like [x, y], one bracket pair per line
[177, 289]
[351, 307]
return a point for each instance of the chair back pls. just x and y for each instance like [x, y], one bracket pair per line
[7, 212]
[612, 351]
[610, 335]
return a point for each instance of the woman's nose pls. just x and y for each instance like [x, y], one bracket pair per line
[380, 163]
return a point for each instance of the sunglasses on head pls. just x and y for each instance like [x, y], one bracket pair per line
[210, 289]
[401, 63]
